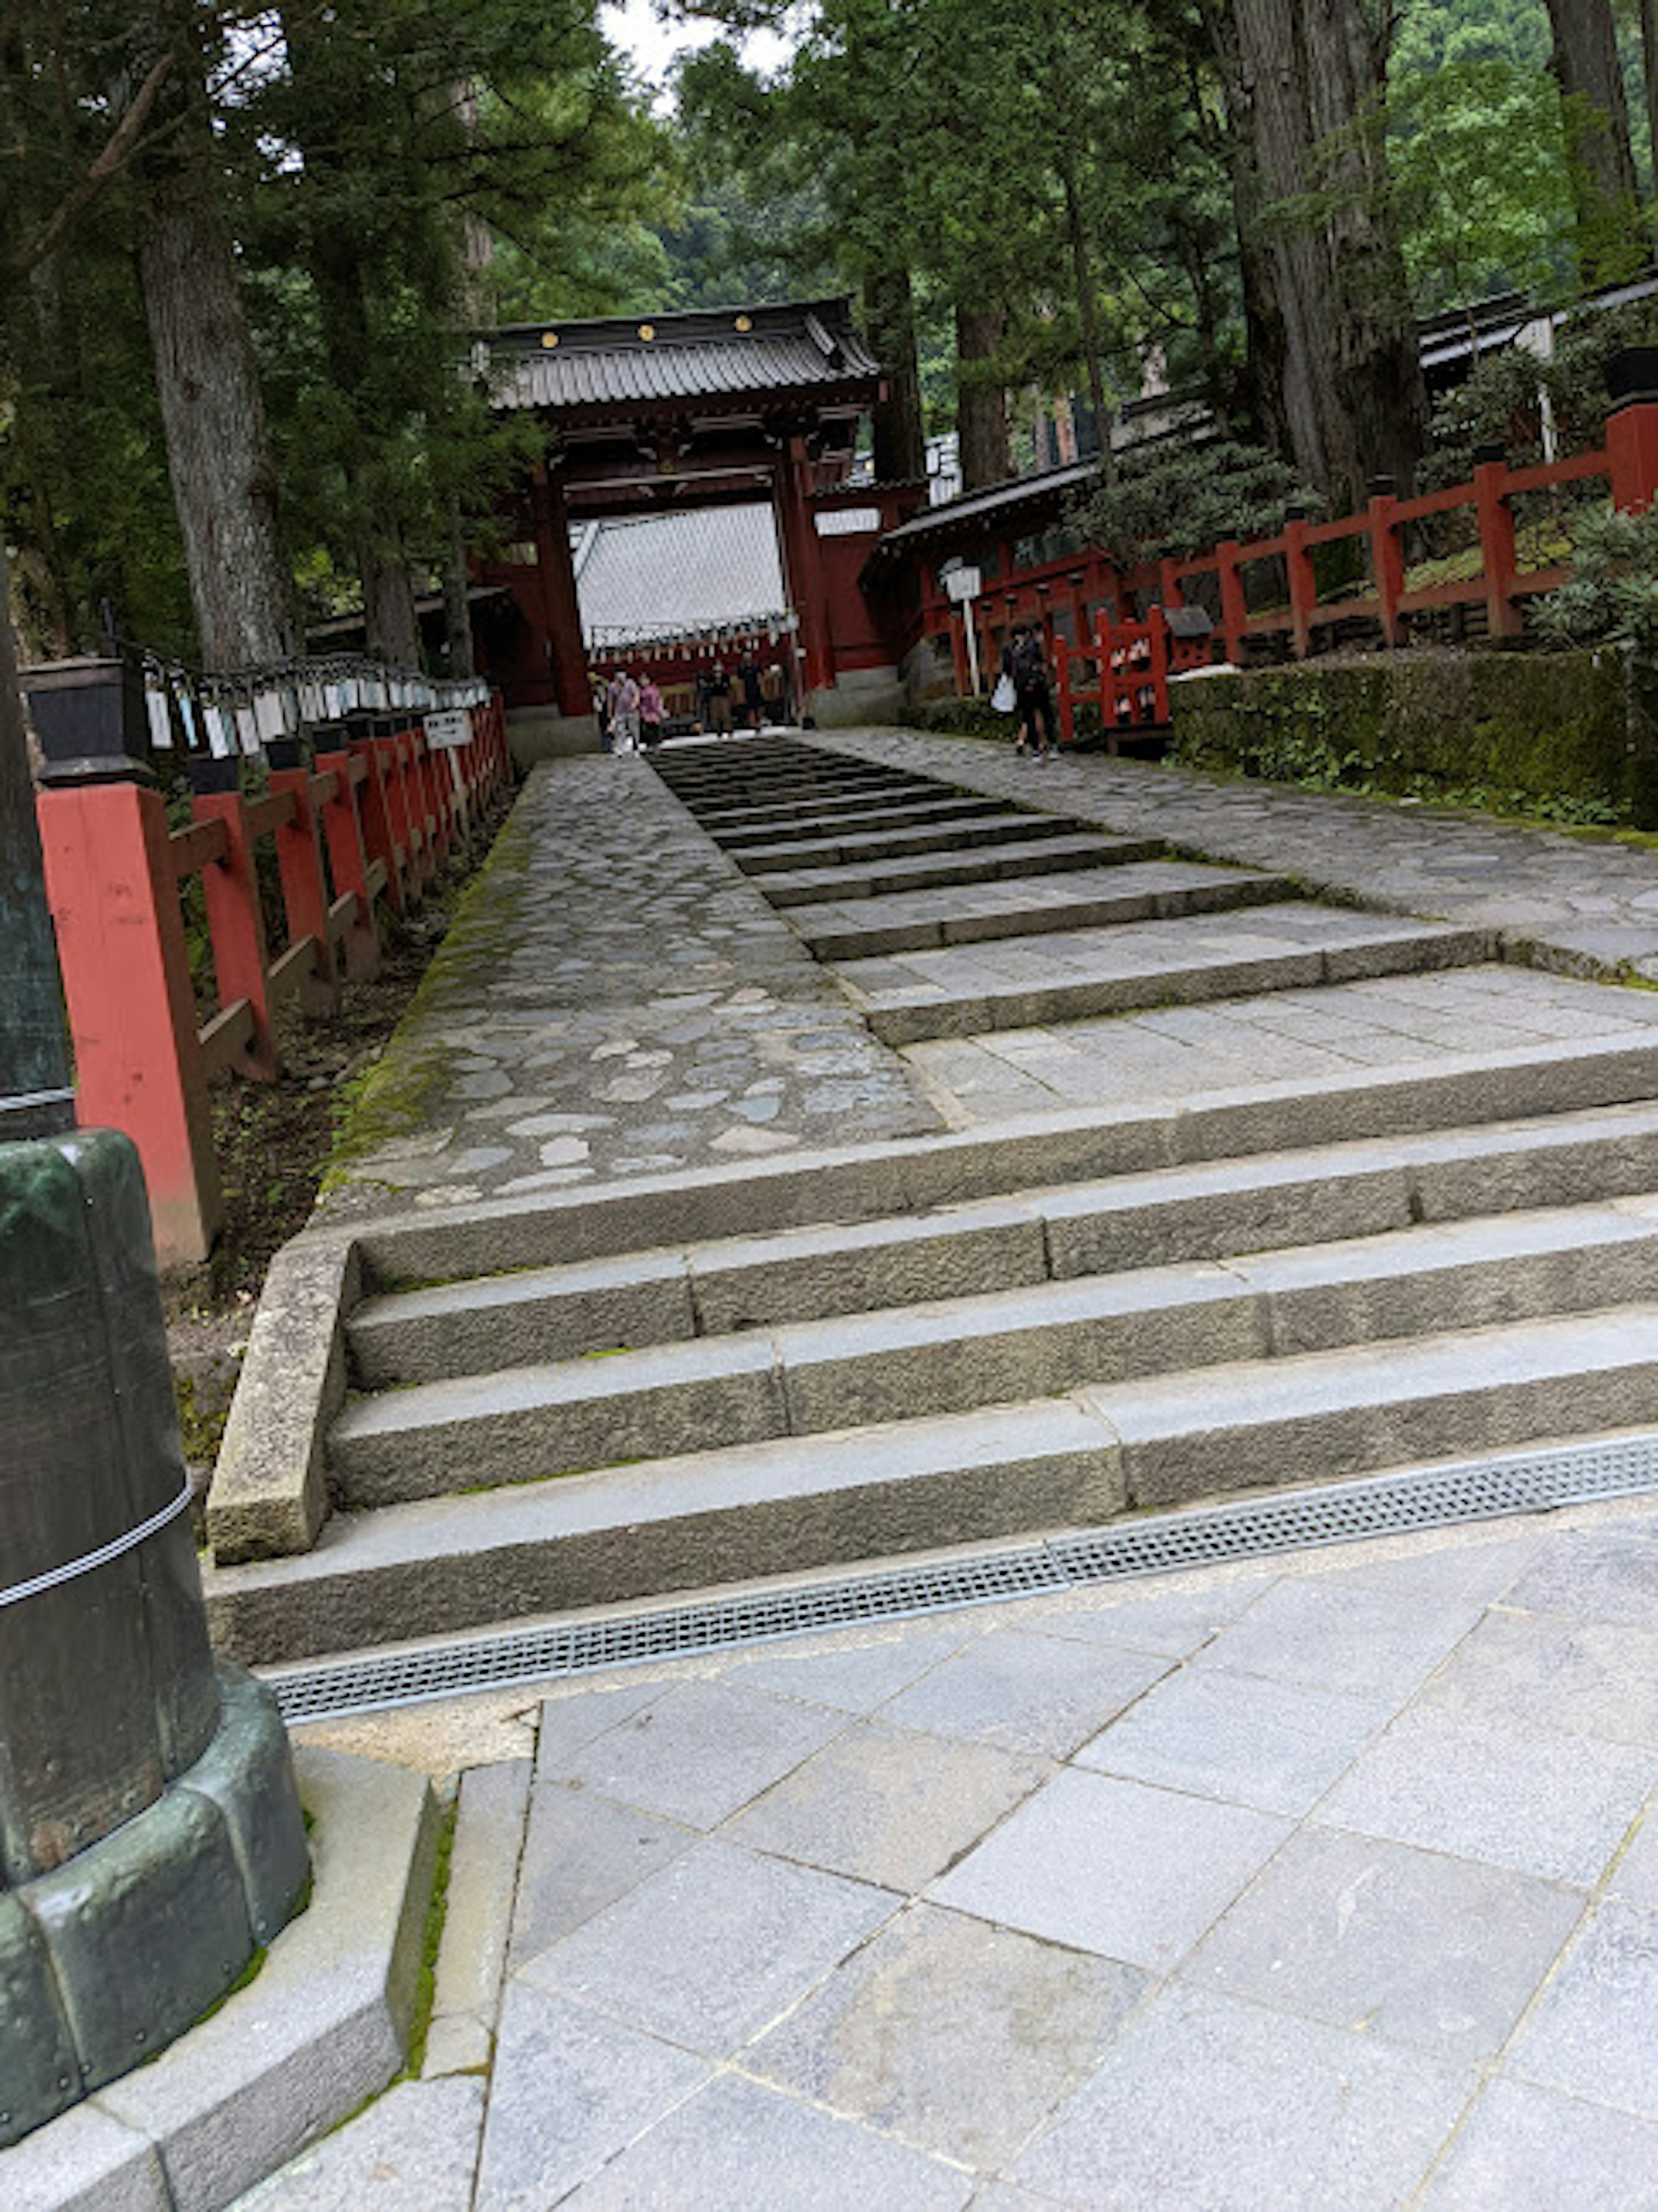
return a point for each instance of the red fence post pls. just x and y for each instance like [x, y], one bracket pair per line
[235, 921]
[382, 826]
[1234, 604]
[1067, 714]
[347, 859]
[1386, 565]
[1303, 585]
[114, 899]
[1496, 547]
[304, 890]
[1632, 453]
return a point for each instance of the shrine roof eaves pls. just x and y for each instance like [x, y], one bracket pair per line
[806, 347]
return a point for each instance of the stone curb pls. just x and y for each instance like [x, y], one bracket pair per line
[269, 1489]
[323, 2027]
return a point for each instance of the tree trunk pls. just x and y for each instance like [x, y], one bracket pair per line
[1604, 189]
[986, 456]
[340, 279]
[1088, 306]
[1649, 78]
[457, 606]
[900, 441]
[212, 414]
[1330, 304]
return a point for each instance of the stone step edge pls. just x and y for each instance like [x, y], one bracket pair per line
[983, 833]
[1394, 948]
[1164, 1216]
[270, 1491]
[1226, 893]
[623, 1534]
[1040, 1340]
[1050, 856]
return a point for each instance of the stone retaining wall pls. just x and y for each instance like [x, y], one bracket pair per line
[1512, 729]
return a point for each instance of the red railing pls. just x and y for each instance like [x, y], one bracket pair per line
[372, 819]
[1084, 605]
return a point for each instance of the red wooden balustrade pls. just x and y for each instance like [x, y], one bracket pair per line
[371, 820]
[1083, 604]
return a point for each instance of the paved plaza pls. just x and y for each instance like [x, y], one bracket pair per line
[1326, 1880]
[1316, 1881]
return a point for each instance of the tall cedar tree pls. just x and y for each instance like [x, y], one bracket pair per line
[1332, 346]
[1586, 63]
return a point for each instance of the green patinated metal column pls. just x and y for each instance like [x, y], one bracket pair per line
[150, 1835]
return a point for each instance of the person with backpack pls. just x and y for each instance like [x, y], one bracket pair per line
[1026, 668]
[651, 712]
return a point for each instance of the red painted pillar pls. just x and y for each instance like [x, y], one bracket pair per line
[382, 822]
[1303, 588]
[1496, 547]
[1386, 565]
[235, 922]
[114, 899]
[560, 605]
[304, 890]
[1234, 601]
[802, 559]
[1632, 453]
[347, 859]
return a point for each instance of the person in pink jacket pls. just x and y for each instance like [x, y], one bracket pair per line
[651, 712]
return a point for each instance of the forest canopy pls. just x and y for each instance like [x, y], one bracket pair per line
[248, 248]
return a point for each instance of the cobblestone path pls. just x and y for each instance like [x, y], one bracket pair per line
[613, 998]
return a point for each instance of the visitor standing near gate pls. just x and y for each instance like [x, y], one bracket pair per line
[1026, 668]
[754, 698]
[651, 712]
[720, 699]
[624, 713]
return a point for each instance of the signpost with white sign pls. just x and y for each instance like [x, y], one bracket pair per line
[446, 730]
[963, 585]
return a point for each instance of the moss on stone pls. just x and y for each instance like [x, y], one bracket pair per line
[1536, 735]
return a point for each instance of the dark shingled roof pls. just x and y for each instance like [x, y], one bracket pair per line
[805, 346]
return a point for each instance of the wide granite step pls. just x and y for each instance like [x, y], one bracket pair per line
[855, 848]
[723, 1285]
[950, 1356]
[1083, 898]
[1026, 856]
[792, 1505]
[1024, 982]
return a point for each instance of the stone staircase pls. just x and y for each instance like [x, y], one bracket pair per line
[702, 1378]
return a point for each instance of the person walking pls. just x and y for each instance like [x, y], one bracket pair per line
[651, 712]
[1025, 666]
[754, 698]
[624, 713]
[720, 699]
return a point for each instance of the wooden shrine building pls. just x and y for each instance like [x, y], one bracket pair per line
[652, 417]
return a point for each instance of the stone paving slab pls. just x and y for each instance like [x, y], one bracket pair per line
[613, 999]
[1275, 1930]
[1271, 1036]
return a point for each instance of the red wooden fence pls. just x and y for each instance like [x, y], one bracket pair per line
[371, 819]
[1082, 604]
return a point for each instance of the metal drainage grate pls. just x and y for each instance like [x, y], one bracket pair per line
[1482, 1490]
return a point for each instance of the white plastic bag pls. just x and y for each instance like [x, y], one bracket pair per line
[1002, 698]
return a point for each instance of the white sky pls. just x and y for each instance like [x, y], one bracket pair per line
[636, 28]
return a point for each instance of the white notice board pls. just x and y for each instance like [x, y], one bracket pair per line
[447, 730]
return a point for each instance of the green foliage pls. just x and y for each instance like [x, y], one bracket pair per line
[1501, 402]
[1183, 498]
[1480, 179]
[1613, 597]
